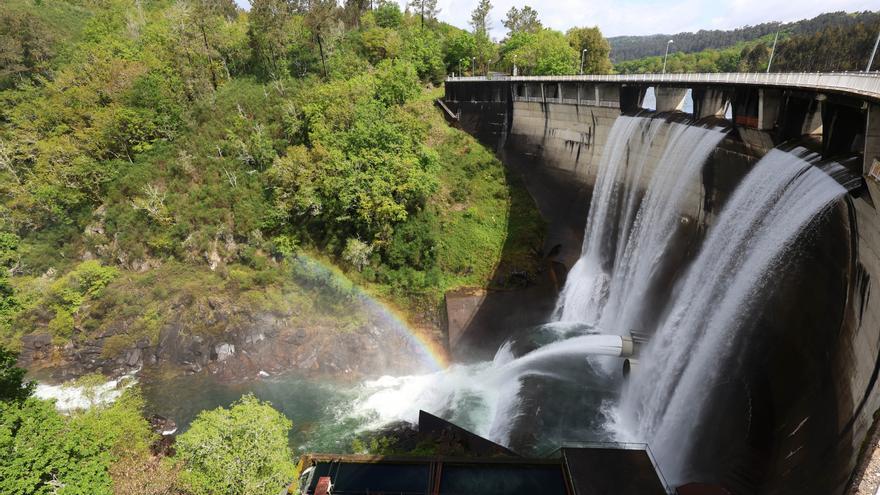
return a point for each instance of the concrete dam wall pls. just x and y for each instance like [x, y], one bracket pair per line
[797, 410]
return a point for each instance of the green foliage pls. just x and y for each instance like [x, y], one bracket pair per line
[85, 281]
[625, 48]
[357, 254]
[376, 445]
[169, 135]
[596, 59]
[380, 43]
[9, 303]
[423, 48]
[366, 169]
[241, 450]
[25, 47]
[388, 15]
[13, 386]
[830, 42]
[545, 52]
[523, 20]
[42, 452]
[459, 47]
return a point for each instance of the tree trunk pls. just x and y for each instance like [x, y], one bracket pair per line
[210, 58]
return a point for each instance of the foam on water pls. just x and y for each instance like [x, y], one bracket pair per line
[483, 397]
[71, 397]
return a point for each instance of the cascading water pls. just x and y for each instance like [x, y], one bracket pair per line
[650, 170]
[625, 238]
[646, 193]
[715, 306]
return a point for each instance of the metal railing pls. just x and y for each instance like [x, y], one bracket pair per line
[859, 83]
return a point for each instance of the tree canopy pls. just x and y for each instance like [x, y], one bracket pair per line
[242, 450]
[522, 20]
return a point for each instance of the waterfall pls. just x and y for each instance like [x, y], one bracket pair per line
[639, 198]
[713, 310]
[647, 193]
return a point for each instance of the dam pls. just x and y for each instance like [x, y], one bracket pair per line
[739, 239]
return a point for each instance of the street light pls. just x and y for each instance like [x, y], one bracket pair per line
[583, 58]
[667, 55]
[514, 65]
[473, 66]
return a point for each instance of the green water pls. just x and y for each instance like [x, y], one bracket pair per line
[319, 409]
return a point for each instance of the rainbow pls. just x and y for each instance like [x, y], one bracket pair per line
[430, 353]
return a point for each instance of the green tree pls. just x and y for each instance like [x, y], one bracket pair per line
[522, 20]
[319, 19]
[380, 43]
[9, 303]
[25, 47]
[427, 9]
[42, 452]
[242, 450]
[267, 36]
[480, 18]
[459, 46]
[546, 52]
[597, 59]
[423, 49]
[755, 58]
[13, 386]
[388, 15]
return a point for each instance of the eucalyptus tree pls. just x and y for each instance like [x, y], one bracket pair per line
[427, 9]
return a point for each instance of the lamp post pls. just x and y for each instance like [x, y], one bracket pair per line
[514, 65]
[473, 66]
[667, 55]
[583, 59]
[873, 52]
[773, 50]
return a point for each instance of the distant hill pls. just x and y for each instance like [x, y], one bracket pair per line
[634, 47]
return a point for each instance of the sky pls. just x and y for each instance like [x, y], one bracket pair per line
[640, 17]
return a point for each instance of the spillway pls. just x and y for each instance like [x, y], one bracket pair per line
[744, 269]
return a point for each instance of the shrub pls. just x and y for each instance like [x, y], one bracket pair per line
[237, 451]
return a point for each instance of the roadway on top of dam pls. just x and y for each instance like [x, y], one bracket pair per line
[860, 84]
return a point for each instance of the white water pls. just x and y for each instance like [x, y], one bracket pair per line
[626, 237]
[70, 396]
[714, 307]
[638, 206]
[482, 397]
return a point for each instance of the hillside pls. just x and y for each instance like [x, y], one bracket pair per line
[624, 48]
[159, 158]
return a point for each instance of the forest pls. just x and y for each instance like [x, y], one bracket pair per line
[827, 43]
[625, 48]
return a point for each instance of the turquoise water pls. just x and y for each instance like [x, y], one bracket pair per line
[317, 408]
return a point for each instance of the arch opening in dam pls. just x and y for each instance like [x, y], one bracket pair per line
[741, 248]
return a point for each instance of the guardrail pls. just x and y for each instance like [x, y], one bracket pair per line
[866, 84]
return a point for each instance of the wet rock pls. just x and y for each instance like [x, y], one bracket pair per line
[162, 425]
[133, 357]
[35, 347]
[224, 351]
